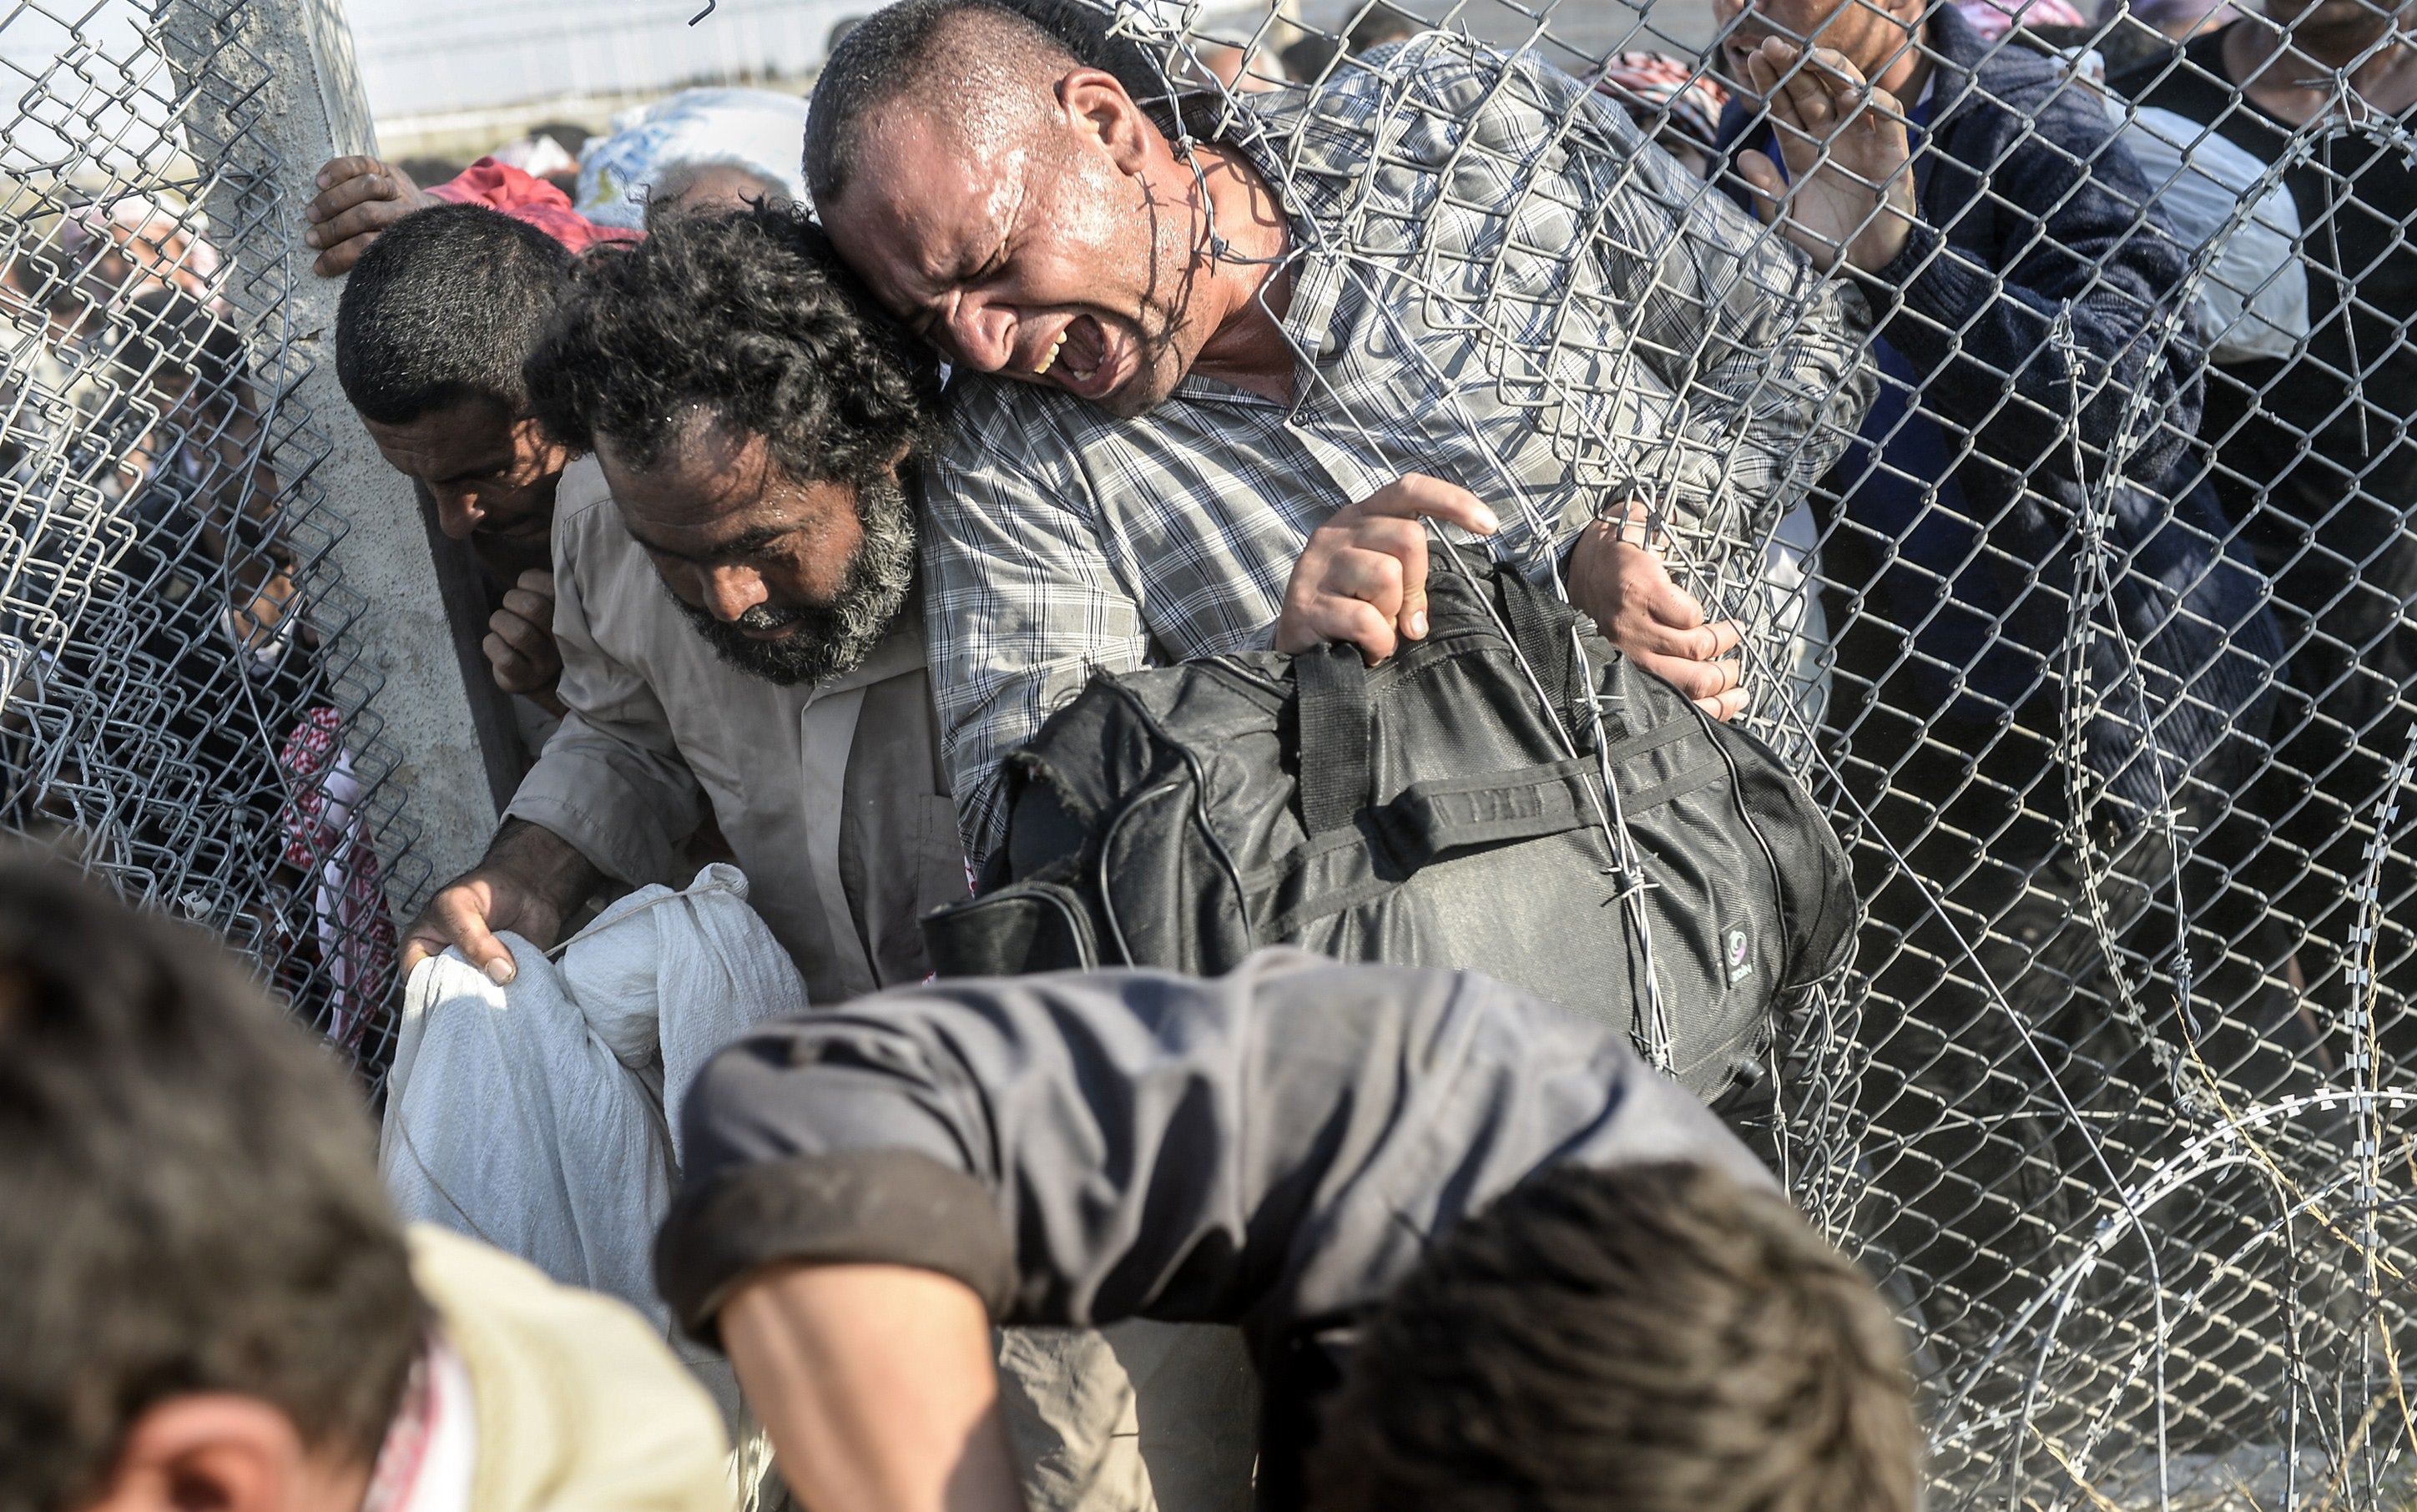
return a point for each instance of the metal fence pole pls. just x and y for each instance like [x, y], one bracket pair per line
[275, 92]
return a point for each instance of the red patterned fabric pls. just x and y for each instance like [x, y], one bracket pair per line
[501, 186]
[355, 937]
[1653, 81]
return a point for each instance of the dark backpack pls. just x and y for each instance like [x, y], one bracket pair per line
[1422, 811]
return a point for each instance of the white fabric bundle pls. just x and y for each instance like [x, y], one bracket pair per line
[534, 1117]
[2253, 301]
[753, 129]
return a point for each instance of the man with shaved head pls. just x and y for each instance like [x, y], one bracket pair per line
[1211, 391]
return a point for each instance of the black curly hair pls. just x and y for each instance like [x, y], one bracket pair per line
[1646, 1338]
[751, 316]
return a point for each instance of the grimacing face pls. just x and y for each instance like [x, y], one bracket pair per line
[1059, 248]
[791, 582]
[492, 475]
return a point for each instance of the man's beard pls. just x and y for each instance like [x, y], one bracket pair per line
[831, 640]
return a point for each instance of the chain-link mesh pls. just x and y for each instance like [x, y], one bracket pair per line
[180, 710]
[2096, 642]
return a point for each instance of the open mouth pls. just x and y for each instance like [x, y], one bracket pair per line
[1079, 360]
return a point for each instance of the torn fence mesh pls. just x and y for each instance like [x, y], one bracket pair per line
[180, 711]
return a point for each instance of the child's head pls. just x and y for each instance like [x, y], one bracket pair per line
[1655, 1338]
[209, 1301]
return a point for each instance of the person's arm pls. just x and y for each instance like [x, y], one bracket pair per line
[876, 1385]
[611, 780]
[1023, 604]
[1757, 359]
[2096, 263]
[2069, 328]
[1766, 354]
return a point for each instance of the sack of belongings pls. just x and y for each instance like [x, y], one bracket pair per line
[1447, 807]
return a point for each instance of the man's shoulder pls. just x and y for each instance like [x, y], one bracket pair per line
[572, 1388]
[2188, 79]
[581, 491]
[995, 425]
[1437, 89]
[2029, 103]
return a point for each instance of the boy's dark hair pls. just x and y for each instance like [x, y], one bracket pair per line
[445, 307]
[749, 316]
[1652, 1338]
[188, 1198]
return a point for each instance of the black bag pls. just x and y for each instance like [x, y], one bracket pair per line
[1422, 811]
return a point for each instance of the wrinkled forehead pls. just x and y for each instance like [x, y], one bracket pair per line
[926, 192]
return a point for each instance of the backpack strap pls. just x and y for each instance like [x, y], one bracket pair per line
[1540, 627]
[1330, 686]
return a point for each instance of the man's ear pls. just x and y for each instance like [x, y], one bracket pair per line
[211, 1453]
[533, 442]
[1095, 102]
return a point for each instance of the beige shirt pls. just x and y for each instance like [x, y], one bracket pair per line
[577, 1404]
[832, 795]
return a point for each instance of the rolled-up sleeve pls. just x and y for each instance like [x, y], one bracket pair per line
[1271, 1146]
[611, 780]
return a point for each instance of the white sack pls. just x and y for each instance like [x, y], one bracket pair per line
[533, 1116]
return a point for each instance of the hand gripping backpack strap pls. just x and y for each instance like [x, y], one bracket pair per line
[1330, 687]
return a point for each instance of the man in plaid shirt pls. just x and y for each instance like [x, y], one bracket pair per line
[1210, 393]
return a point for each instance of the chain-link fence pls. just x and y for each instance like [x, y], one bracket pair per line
[2096, 642]
[182, 708]
[2096, 639]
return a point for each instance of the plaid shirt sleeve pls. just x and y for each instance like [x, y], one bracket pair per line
[1022, 602]
[1671, 346]
[1773, 371]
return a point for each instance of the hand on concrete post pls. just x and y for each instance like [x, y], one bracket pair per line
[358, 197]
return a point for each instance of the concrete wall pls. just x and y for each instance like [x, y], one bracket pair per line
[274, 94]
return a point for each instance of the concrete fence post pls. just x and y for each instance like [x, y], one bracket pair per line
[271, 92]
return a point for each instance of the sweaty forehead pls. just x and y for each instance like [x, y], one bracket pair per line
[927, 194]
[470, 436]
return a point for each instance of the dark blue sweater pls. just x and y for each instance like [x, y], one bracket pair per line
[2029, 211]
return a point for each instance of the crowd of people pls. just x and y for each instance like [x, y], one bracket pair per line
[806, 497]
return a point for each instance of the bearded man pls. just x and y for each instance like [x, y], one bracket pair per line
[735, 559]
[734, 564]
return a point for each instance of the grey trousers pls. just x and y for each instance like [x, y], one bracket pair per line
[1135, 1417]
